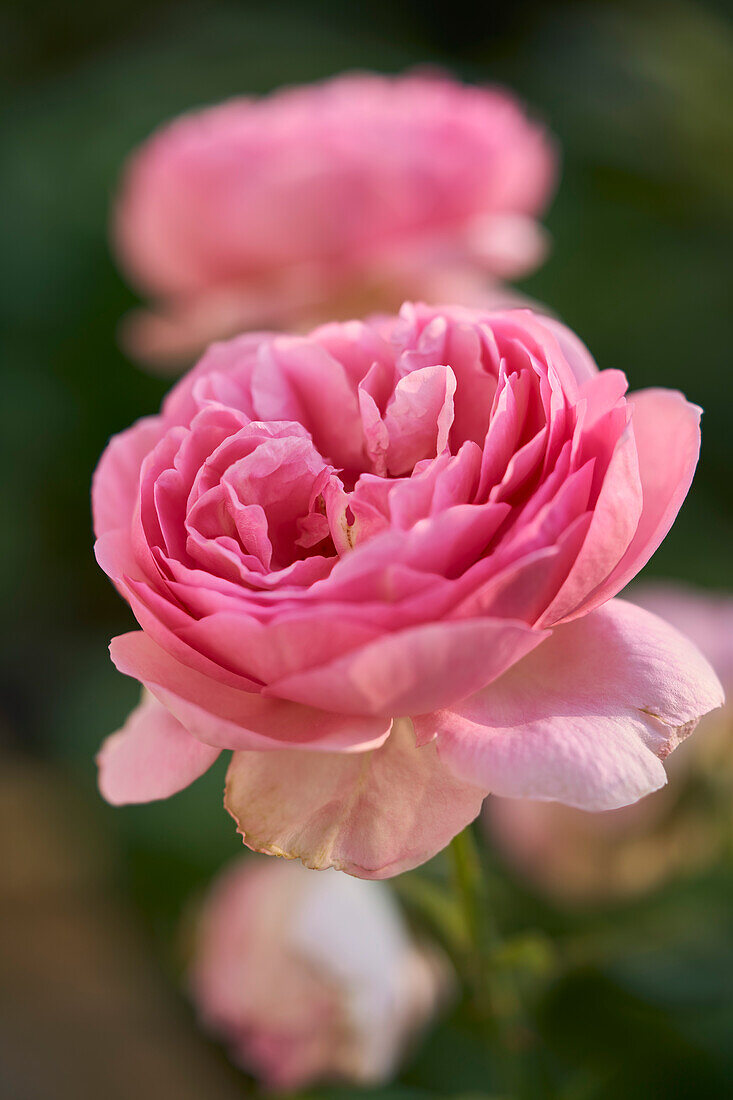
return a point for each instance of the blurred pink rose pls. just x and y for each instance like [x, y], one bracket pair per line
[580, 856]
[331, 200]
[311, 977]
[388, 551]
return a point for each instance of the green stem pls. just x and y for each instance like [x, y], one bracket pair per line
[469, 883]
[494, 994]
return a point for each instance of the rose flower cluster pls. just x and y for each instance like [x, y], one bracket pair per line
[378, 564]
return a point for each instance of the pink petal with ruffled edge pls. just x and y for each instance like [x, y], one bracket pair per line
[151, 757]
[373, 815]
[586, 718]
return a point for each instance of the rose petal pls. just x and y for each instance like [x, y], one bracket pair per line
[296, 379]
[509, 245]
[582, 363]
[705, 616]
[151, 757]
[116, 480]
[373, 815]
[667, 434]
[413, 671]
[230, 363]
[230, 718]
[419, 417]
[587, 717]
[614, 521]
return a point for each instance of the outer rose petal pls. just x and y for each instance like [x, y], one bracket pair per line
[667, 433]
[413, 671]
[230, 718]
[373, 815]
[117, 477]
[613, 524]
[703, 615]
[151, 757]
[581, 361]
[587, 717]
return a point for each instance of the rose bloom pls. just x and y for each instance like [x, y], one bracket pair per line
[311, 977]
[378, 563]
[325, 201]
[579, 857]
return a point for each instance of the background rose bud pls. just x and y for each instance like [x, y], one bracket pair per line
[311, 977]
[377, 563]
[579, 856]
[330, 200]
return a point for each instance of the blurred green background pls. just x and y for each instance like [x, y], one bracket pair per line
[640, 96]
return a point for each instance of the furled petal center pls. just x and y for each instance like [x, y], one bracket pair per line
[267, 506]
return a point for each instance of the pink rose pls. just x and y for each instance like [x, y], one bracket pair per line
[579, 856]
[378, 564]
[311, 977]
[330, 200]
